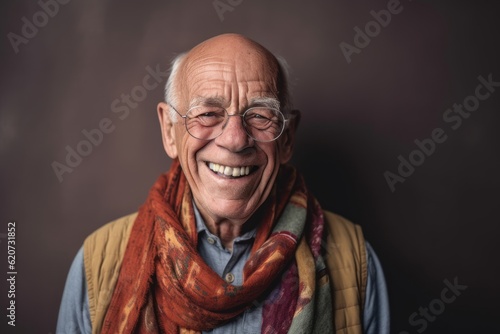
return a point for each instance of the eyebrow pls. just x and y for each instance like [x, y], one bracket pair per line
[269, 102]
[211, 101]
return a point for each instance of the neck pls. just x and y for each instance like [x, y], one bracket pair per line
[229, 229]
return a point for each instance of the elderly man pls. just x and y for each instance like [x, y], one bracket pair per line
[229, 240]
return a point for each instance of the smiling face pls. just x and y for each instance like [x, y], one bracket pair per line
[232, 175]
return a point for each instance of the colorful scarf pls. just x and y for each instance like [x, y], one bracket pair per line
[164, 286]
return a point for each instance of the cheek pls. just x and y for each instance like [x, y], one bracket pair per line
[188, 147]
[272, 154]
[283, 151]
[185, 143]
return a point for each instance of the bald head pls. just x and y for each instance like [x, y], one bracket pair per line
[236, 47]
[240, 60]
[231, 43]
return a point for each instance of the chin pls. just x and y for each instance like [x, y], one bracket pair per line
[232, 209]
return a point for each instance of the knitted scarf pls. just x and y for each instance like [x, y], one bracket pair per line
[164, 286]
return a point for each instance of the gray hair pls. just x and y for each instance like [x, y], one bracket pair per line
[172, 95]
[284, 93]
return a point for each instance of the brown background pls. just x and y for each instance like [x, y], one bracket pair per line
[441, 223]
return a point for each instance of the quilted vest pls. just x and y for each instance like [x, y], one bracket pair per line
[345, 258]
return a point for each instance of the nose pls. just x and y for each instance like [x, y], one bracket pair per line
[234, 136]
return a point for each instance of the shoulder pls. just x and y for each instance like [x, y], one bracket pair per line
[103, 252]
[111, 234]
[339, 228]
[346, 254]
[104, 248]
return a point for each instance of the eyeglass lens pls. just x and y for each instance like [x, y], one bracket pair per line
[261, 123]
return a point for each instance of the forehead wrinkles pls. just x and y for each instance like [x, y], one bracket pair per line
[198, 72]
[232, 76]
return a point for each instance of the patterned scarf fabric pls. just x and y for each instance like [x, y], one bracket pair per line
[164, 286]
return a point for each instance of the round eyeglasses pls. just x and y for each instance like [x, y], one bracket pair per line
[263, 124]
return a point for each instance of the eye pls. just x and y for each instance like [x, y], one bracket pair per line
[206, 116]
[261, 113]
[209, 114]
[261, 118]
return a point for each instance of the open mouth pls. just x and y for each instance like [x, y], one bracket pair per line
[227, 171]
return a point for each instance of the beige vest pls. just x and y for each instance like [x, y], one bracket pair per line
[345, 259]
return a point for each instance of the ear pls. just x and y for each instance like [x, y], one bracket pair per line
[287, 139]
[167, 130]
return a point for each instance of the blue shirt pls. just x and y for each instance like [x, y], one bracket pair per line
[74, 316]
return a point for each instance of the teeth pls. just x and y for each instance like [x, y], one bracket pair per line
[229, 171]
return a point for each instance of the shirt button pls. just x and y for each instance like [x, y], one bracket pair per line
[210, 240]
[229, 278]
